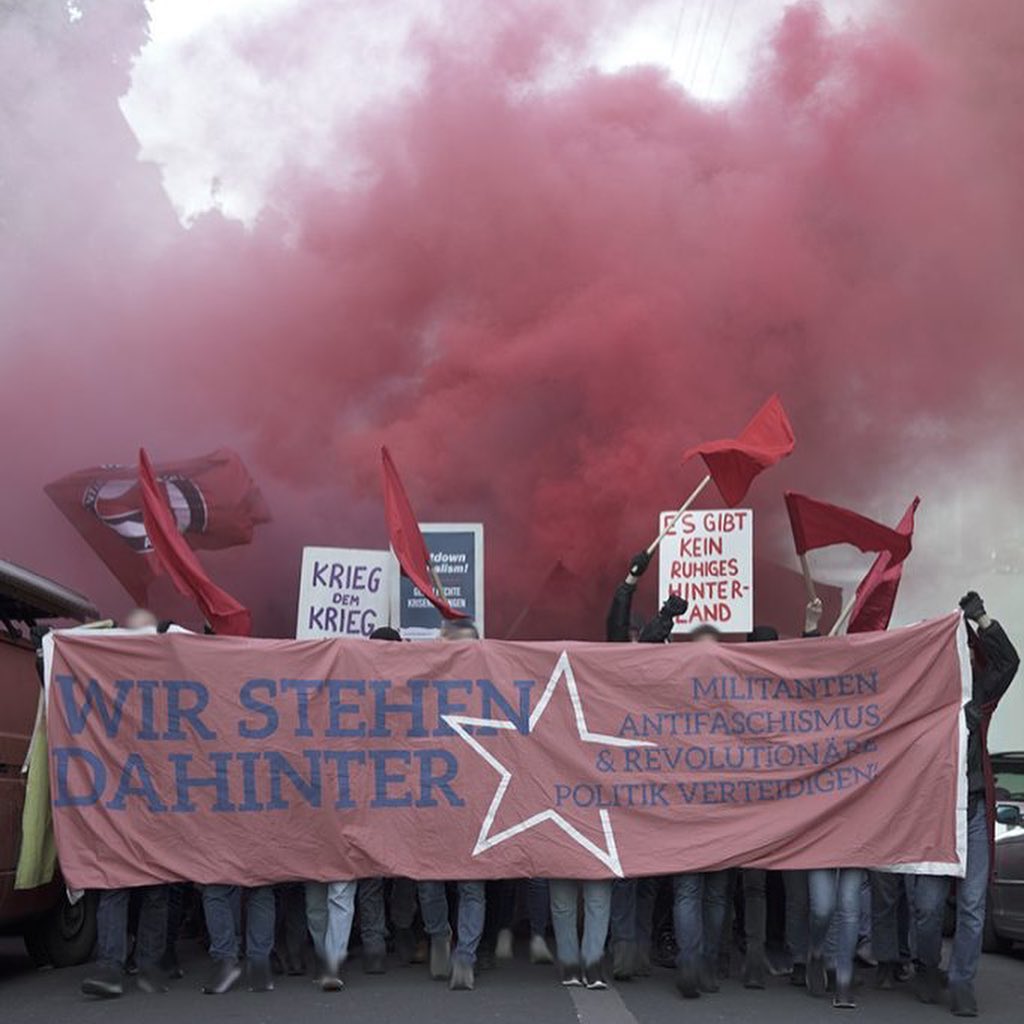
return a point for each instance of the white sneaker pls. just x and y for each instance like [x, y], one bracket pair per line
[540, 952]
[503, 946]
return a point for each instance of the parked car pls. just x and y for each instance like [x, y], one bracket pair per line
[55, 931]
[1008, 775]
[1004, 917]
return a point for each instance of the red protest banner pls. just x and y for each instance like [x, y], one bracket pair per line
[225, 759]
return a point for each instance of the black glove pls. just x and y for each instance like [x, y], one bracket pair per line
[972, 605]
[675, 605]
[638, 564]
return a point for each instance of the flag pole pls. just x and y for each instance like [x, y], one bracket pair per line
[675, 519]
[812, 594]
[843, 615]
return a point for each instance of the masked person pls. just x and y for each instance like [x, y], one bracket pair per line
[457, 967]
[107, 980]
[632, 906]
[994, 663]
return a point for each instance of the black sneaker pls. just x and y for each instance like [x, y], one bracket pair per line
[571, 975]
[105, 983]
[373, 963]
[843, 999]
[150, 981]
[223, 977]
[440, 956]
[593, 976]
[688, 981]
[962, 1001]
[261, 978]
[462, 979]
[817, 977]
[405, 945]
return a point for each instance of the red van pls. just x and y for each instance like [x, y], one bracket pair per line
[55, 932]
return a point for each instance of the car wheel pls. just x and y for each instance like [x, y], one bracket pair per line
[66, 935]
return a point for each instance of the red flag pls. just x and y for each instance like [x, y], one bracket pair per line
[215, 502]
[817, 524]
[734, 462]
[219, 608]
[406, 539]
[876, 594]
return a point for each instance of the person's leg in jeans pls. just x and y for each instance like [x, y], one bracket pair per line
[501, 918]
[929, 907]
[434, 908]
[151, 940]
[622, 930]
[970, 913]
[821, 891]
[260, 918]
[903, 927]
[688, 918]
[848, 922]
[316, 921]
[714, 907]
[538, 908]
[372, 924]
[472, 911]
[597, 905]
[341, 906]
[111, 945]
[291, 930]
[755, 925]
[175, 911]
[885, 896]
[564, 908]
[219, 909]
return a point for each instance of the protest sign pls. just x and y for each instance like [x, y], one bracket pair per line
[343, 592]
[708, 559]
[457, 555]
[227, 759]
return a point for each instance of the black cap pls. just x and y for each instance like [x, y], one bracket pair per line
[385, 633]
[761, 634]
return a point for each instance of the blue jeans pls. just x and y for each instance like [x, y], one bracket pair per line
[221, 909]
[698, 912]
[835, 891]
[632, 917]
[112, 927]
[330, 907]
[597, 905]
[930, 895]
[472, 911]
[538, 905]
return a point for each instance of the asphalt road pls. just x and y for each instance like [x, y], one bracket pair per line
[513, 993]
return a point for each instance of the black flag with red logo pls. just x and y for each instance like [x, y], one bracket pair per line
[215, 503]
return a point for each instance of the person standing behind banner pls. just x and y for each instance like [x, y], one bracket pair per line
[994, 663]
[107, 981]
[457, 967]
[632, 909]
[700, 901]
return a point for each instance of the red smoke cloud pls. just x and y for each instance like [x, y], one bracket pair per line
[536, 294]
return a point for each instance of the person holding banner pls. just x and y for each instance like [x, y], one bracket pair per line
[994, 663]
[457, 967]
[107, 981]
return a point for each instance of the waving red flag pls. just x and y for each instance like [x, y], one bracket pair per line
[406, 539]
[734, 462]
[817, 524]
[215, 501]
[876, 593]
[219, 608]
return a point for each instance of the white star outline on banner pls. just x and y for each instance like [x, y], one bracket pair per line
[609, 856]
